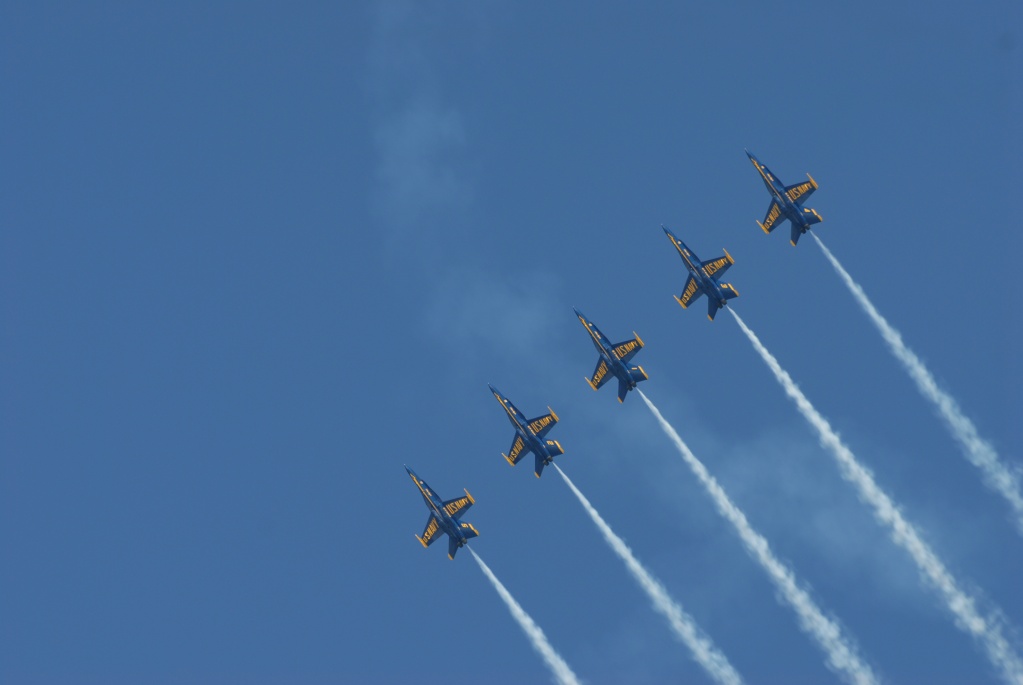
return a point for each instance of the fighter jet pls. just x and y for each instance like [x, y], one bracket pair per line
[703, 278]
[529, 435]
[444, 517]
[614, 360]
[787, 202]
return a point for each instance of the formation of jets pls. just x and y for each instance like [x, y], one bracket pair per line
[615, 359]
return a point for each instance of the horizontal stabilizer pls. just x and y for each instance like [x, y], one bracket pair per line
[729, 291]
[468, 531]
[638, 374]
[518, 450]
[554, 448]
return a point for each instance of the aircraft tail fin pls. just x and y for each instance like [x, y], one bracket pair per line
[468, 532]
[810, 217]
[637, 375]
[712, 308]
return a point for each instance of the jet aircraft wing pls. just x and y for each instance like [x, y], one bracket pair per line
[628, 349]
[772, 217]
[430, 532]
[718, 266]
[542, 425]
[600, 375]
[458, 506]
[691, 293]
[517, 451]
[801, 191]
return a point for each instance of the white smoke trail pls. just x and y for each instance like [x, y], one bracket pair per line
[979, 452]
[840, 651]
[986, 630]
[562, 673]
[685, 628]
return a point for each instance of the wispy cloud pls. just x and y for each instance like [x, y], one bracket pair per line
[513, 316]
[415, 171]
[419, 137]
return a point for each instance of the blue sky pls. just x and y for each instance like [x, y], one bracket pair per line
[254, 259]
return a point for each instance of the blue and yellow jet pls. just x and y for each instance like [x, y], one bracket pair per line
[614, 360]
[787, 203]
[704, 278]
[444, 517]
[529, 435]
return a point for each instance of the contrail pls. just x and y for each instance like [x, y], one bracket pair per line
[562, 673]
[979, 452]
[840, 651]
[987, 631]
[685, 628]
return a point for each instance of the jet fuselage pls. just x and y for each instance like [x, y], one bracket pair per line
[708, 285]
[435, 504]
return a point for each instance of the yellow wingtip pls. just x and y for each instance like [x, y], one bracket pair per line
[507, 458]
[763, 228]
[638, 339]
[421, 541]
[815, 186]
[556, 419]
[730, 260]
[471, 500]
